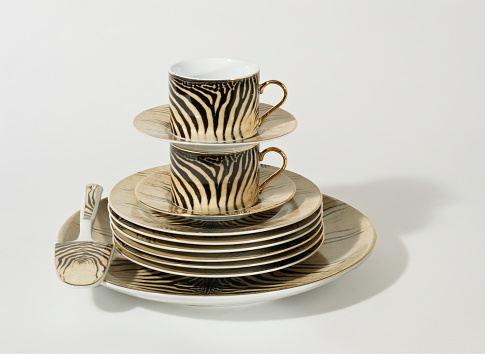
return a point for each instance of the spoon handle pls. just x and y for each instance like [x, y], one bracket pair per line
[92, 196]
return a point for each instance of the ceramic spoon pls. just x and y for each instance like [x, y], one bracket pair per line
[84, 262]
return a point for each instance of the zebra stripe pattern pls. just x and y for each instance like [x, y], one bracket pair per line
[82, 262]
[214, 182]
[92, 193]
[214, 110]
[350, 237]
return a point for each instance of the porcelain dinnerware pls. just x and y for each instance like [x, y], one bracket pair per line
[207, 248]
[84, 262]
[155, 191]
[349, 239]
[216, 99]
[155, 122]
[172, 241]
[123, 202]
[218, 273]
[213, 257]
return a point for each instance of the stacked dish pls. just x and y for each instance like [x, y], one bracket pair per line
[215, 211]
[216, 227]
[259, 243]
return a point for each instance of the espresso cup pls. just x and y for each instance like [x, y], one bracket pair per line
[217, 182]
[216, 99]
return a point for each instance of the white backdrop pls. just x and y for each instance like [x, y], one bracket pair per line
[389, 96]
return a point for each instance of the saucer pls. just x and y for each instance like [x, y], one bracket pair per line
[217, 257]
[349, 240]
[211, 247]
[155, 122]
[154, 192]
[123, 202]
[219, 273]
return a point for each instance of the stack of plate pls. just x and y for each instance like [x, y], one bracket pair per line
[255, 241]
[203, 231]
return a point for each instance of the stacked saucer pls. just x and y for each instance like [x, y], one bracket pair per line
[215, 212]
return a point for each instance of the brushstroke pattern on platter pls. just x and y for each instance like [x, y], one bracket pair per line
[349, 238]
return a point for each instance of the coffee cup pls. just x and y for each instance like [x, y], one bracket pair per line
[216, 99]
[218, 181]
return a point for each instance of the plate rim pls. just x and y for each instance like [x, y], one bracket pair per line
[318, 242]
[303, 239]
[292, 236]
[276, 235]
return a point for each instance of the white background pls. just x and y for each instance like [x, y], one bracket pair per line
[390, 99]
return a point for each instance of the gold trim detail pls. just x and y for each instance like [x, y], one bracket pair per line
[261, 90]
[282, 168]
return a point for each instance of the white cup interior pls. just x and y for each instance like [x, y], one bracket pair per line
[213, 69]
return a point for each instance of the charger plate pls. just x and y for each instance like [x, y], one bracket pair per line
[306, 200]
[155, 192]
[155, 122]
[349, 240]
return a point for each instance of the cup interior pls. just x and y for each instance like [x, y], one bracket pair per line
[213, 69]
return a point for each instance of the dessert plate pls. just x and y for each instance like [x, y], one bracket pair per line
[155, 192]
[155, 122]
[219, 273]
[123, 202]
[191, 248]
[349, 240]
[241, 240]
[221, 264]
[214, 257]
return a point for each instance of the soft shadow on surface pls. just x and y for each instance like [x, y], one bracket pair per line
[397, 208]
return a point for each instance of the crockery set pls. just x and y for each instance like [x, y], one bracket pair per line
[214, 227]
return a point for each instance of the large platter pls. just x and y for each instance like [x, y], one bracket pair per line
[349, 240]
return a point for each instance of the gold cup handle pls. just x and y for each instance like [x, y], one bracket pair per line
[285, 94]
[285, 161]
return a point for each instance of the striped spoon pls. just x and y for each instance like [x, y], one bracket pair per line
[84, 262]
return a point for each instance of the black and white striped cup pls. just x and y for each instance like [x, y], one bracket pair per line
[217, 182]
[216, 99]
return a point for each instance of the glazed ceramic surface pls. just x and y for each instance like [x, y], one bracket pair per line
[123, 202]
[84, 262]
[218, 273]
[211, 247]
[219, 183]
[241, 240]
[155, 122]
[214, 99]
[221, 264]
[155, 191]
[215, 257]
[349, 239]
